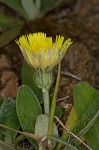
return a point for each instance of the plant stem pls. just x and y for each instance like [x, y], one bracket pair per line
[18, 139]
[46, 101]
[53, 104]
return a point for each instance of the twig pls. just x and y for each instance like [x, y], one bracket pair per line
[72, 133]
[37, 138]
[63, 98]
[40, 144]
[71, 75]
[43, 139]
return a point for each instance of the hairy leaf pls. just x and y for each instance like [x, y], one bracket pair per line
[9, 118]
[28, 108]
[41, 127]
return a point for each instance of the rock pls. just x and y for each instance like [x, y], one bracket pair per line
[9, 81]
[4, 62]
[80, 63]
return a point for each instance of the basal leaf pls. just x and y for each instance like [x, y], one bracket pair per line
[88, 119]
[92, 136]
[10, 34]
[28, 108]
[32, 8]
[86, 107]
[47, 5]
[83, 95]
[8, 21]
[16, 5]
[86, 103]
[9, 118]
[41, 127]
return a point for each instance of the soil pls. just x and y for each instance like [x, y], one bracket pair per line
[77, 19]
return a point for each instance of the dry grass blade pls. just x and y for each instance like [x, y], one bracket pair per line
[70, 133]
[37, 138]
[71, 75]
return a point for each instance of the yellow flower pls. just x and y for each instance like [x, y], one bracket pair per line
[41, 52]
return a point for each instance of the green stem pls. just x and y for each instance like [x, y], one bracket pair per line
[46, 101]
[18, 139]
[53, 104]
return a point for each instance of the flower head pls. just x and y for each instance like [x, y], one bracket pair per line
[41, 52]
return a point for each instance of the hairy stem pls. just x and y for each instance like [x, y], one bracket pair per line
[46, 101]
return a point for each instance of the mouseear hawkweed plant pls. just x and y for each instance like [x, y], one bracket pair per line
[34, 109]
[42, 54]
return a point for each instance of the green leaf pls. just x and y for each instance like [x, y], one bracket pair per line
[87, 119]
[83, 95]
[47, 5]
[16, 5]
[89, 125]
[4, 146]
[68, 145]
[7, 108]
[41, 127]
[8, 21]
[32, 8]
[58, 112]
[10, 34]
[9, 118]
[84, 115]
[70, 124]
[92, 136]
[86, 103]
[28, 108]
[29, 80]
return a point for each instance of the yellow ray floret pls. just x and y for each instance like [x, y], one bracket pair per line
[40, 51]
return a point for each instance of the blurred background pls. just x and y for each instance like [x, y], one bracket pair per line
[77, 19]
